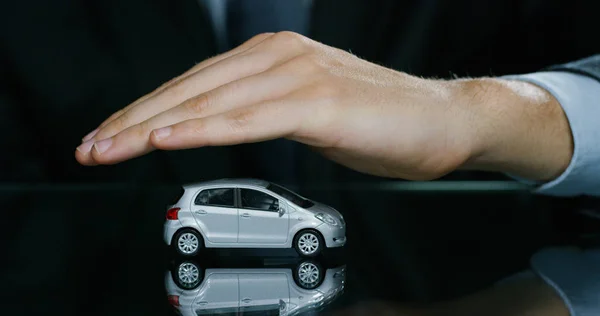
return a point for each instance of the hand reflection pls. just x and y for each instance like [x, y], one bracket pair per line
[524, 297]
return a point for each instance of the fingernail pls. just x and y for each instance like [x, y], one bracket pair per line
[85, 147]
[103, 145]
[90, 135]
[162, 132]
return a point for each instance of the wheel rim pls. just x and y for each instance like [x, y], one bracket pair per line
[188, 243]
[188, 274]
[308, 274]
[308, 243]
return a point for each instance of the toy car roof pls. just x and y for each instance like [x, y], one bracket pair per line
[228, 182]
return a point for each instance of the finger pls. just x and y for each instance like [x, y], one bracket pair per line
[83, 154]
[208, 62]
[134, 141]
[266, 121]
[230, 69]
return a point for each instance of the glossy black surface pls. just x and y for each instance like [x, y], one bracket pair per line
[98, 249]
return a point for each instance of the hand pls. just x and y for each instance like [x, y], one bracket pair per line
[364, 116]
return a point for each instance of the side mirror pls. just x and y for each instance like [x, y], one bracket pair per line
[282, 305]
[281, 211]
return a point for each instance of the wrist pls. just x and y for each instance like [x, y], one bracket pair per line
[520, 129]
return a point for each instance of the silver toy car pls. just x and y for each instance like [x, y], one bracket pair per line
[304, 289]
[249, 213]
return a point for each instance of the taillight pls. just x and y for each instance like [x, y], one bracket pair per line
[173, 300]
[172, 213]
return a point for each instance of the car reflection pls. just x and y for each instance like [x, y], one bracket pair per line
[288, 289]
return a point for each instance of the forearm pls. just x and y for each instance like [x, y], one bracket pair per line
[520, 128]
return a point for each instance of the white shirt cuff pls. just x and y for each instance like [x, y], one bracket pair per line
[579, 97]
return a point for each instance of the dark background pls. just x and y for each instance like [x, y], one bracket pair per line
[79, 239]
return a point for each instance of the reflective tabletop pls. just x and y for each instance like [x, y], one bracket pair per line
[99, 250]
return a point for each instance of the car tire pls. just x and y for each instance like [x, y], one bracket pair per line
[309, 274]
[308, 243]
[188, 275]
[187, 242]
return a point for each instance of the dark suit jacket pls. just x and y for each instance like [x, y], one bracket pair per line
[66, 65]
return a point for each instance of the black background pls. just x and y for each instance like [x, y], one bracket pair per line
[88, 240]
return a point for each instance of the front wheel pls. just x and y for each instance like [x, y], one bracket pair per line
[308, 243]
[308, 274]
[187, 242]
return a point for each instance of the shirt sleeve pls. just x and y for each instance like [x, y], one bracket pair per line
[579, 96]
[575, 276]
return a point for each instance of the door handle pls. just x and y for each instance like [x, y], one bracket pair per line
[245, 215]
[200, 212]
[202, 303]
[247, 300]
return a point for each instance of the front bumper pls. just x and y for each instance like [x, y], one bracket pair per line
[169, 229]
[335, 236]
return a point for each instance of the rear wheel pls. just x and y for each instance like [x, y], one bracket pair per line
[188, 275]
[187, 242]
[308, 243]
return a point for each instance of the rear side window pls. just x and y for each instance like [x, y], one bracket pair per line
[215, 197]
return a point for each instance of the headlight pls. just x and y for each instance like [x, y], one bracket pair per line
[318, 297]
[326, 218]
[339, 274]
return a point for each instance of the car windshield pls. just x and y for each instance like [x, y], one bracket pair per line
[290, 196]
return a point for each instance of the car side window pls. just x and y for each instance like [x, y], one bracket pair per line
[257, 200]
[215, 197]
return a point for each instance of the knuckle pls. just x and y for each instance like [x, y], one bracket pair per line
[289, 39]
[259, 37]
[121, 122]
[197, 105]
[238, 121]
[114, 127]
[287, 36]
[198, 131]
[196, 127]
[143, 129]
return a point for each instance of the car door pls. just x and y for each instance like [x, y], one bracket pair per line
[263, 293]
[220, 294]
[215, 212]
[260, 218]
